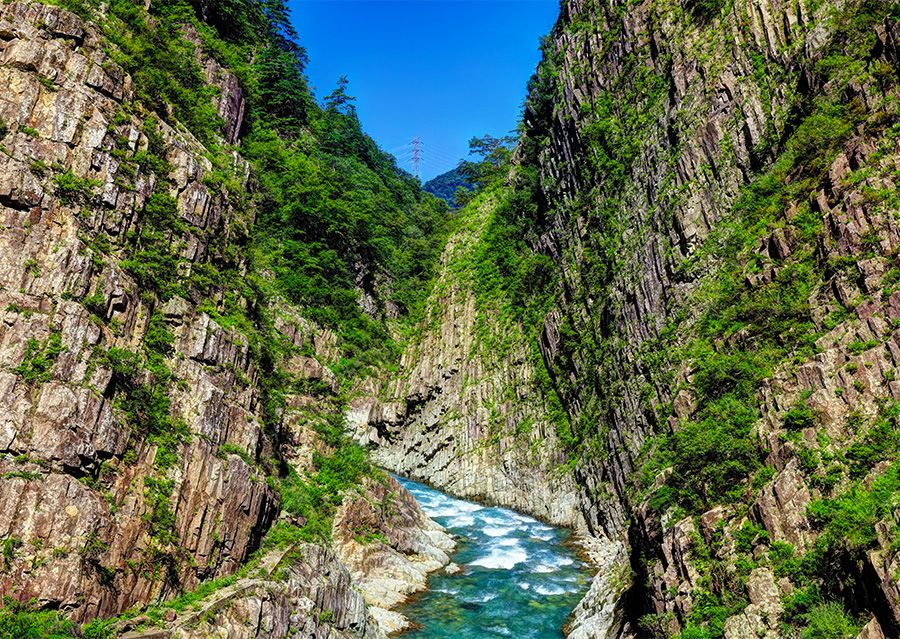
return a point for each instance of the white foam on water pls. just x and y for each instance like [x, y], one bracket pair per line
[495, 518]
[451, 508]
[544, 568]
[502, 557]
[525, 519]
[550, 590]
[558, 562]
[481, 598]
[497, 531]
[524, 585]
[461, 521]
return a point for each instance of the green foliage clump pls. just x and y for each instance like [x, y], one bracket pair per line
[315, 498]
[153, 261]
[143, 384]
[880, 442]
[829, 621]
[848, 521]
[159, 516]
[25, 621]
[704, 10]
[39, 358]
[799, 417]
[71, 188]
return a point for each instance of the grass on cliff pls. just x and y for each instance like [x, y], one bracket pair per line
[25, 621]
[313, 499]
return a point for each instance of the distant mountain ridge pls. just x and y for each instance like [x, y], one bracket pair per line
[444, 185]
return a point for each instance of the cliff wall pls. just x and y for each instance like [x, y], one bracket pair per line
[157, 408]
[713, 183]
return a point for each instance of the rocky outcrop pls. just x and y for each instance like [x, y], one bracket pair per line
[761, 618]
[599, 615]
[303, 592]
[389, 546]
[95, 522]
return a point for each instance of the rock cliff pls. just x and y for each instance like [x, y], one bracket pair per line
[80, 492]
[672, 325]
[714, 185]
[144, 447]
[462, 413]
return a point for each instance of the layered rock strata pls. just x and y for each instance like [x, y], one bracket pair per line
[98, 514]
[706, 102]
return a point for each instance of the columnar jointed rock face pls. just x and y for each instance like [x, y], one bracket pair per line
[463, 413]
[78, 487]
[645, 123]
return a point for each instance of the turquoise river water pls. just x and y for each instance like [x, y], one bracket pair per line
[519, 577]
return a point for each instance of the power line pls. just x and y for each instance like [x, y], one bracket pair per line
[416, 154]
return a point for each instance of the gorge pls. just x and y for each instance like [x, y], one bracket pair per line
[666, 320]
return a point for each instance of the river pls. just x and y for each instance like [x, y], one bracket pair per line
[519, 577]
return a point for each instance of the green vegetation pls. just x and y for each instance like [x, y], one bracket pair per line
[746, 329]
[314, 499]
[447, 185]
[39, 358]
[705, 10]
[71, 188]
[829, 621]
[24, 621]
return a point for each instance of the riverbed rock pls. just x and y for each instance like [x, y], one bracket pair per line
[599, 614]
[389, 545]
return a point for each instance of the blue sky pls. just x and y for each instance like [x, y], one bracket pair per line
[443, 70]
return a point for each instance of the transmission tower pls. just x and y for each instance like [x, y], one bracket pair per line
[416, 143]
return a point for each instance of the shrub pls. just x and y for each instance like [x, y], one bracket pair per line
[704, 10]
[70, 188]
[829, 621]
[799, 417]
[39, 357]
[25, 621]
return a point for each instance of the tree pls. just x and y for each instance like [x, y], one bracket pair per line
[338, 101]
[494, 154]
